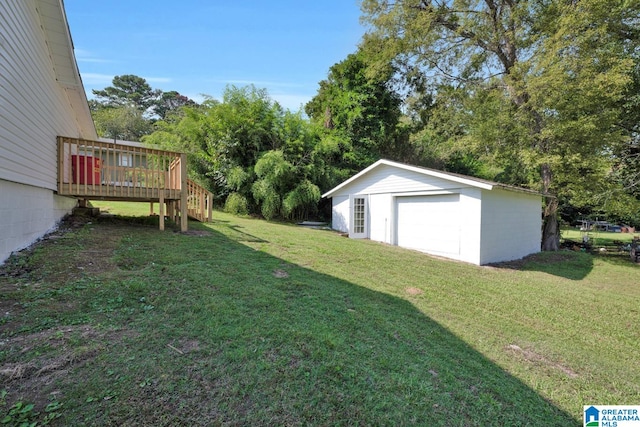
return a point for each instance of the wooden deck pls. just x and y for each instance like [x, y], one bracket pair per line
[95, 170]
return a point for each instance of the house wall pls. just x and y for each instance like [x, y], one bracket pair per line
[34, 109]
[340, 212]
[511, 225]
[471, 201]
[381, 217]
[26, 214]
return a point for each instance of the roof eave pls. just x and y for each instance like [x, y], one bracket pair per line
[442, 175]
[55, 24]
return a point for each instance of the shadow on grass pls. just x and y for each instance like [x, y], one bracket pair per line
[242, 236]
[564, 263]
[617, 258]
[294, 348]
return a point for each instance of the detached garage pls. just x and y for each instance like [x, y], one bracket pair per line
[449, 215]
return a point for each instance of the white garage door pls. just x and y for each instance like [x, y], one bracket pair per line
[429, 223]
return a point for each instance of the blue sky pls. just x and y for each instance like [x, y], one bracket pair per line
[199, 46]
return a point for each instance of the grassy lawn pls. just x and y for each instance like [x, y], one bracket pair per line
[246, 322]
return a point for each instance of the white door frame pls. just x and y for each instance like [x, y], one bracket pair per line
[359, 216]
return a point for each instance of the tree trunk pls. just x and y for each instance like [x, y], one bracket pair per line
[550, 228]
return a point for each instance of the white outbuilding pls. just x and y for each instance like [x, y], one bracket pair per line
[440, 213]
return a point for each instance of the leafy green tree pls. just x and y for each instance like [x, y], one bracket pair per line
[251, 152]
[170, 102]
[125, 110]
[361, 112]
[627, 154]
[128, 90]
[125, 123]
[554, 71]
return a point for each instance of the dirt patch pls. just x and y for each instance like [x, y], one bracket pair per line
[537, 358]
[93, 254]
[185, 346]
[36, 377]
[60, 337]
[414, 291]
[280, 274]
[190, 345]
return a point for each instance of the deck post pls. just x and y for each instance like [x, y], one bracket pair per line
[184, 220]
[161, 209]
[60, 163]
[201, 199]
[171, 212]
[151, 209]
[210, 207]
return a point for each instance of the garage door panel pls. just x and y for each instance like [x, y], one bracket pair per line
[429, 223]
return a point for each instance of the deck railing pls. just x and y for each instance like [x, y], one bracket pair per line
[108, 170]
[199, 202]
[96, 170]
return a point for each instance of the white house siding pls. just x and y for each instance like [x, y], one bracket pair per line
[21, 224]
[341, 210]
[37, 103]
[471, 201]
[511, 225]
[381, 217]
[34, 107]
[388, 179]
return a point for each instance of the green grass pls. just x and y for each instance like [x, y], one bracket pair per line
[245, 322]
[598, 238]
[124, 208]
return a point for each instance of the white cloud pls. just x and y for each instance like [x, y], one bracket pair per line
[158, 79]
[257, 83]
[86, 56]
[91, 79]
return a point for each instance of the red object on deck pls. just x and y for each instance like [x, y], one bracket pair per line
[85, 170]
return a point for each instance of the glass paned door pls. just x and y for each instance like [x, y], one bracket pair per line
[358, 217]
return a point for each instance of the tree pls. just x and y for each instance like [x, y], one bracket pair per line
[361, 111]
[557, 70]
[627, 154]
[170, 102]
[128, 90]
[125, 110]
[251, 152]
[125, 123]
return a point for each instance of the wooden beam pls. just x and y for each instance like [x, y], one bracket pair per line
[60, 164]
[210, 206]
[184, 220]
[161, 209]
